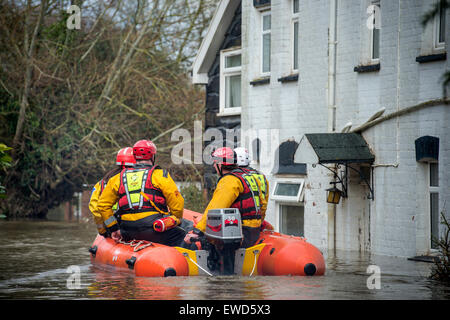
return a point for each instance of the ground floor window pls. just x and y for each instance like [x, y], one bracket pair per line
[434, 202]
[288, 190]
[292, 220]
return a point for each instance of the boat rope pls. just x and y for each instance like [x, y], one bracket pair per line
[255, 253]
[138, 246]
[187, 255]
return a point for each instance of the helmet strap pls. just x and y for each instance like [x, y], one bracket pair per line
[218, 169]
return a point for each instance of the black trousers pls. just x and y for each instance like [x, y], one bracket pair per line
[251, 235]
[143, 230]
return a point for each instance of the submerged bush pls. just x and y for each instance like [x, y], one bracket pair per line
[5, 162]
[441, 267]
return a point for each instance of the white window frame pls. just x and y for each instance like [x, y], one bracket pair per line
[225, 72]
[371, 38]
[295, 19]
[264, 32]
[432, 189]
[436, 30]
[289, 199]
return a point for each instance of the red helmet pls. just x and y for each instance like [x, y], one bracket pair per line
[225, 156]
[125, 157]
[144, 150]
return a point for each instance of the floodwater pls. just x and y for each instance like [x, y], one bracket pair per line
[38, 258]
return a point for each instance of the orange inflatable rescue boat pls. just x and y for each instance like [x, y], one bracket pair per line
[273, 254]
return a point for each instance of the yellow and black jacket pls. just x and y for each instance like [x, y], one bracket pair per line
[95, 195]
[238, 190]
[140, 192]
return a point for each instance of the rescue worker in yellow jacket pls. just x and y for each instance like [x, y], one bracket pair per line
[243, 162]
[235, 189]
[144, 193]
[124, 158]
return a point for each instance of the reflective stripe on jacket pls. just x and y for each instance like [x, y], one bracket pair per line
[134, 182]
[262, 179]
[159, 179]
[228, 189]
[248, 202]
[264, 187]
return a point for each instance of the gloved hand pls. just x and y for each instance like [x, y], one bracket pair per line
[190, 237]
[116, 236]
[266, 226]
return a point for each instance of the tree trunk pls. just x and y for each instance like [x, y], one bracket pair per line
[28, 57]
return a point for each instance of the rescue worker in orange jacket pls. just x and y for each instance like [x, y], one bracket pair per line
[144, 193]
[235, 189]
[124, 159]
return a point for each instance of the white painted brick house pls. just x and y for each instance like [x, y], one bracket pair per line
[306, 67]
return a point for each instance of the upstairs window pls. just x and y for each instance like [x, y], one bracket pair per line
[375, 31]
[266, 42]
[230, 82]
[439, 27]
[295, 33]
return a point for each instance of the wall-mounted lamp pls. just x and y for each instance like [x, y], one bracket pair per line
[334, 195]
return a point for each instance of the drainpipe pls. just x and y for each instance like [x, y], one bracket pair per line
[332, 67]
[331, 126]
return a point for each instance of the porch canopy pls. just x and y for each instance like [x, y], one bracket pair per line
[342, 148]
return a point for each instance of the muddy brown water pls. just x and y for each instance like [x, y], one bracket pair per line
[38, 260]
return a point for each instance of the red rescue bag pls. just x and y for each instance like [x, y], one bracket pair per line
[164, 224]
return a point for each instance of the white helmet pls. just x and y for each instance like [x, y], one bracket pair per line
[242, 157]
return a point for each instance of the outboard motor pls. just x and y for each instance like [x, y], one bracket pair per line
[224, 231]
